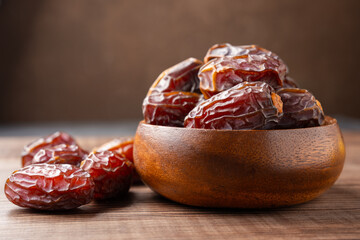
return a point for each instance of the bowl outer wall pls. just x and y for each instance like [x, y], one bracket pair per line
[241, 168]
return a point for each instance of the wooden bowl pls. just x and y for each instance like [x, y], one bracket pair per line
[239, 168]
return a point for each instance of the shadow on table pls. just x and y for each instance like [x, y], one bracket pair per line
[337, 198]
[90, 210]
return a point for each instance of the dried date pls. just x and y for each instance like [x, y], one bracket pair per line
[223, 73]
[226, 49]
[300, 108]
[60, 154]
[111, 172]
[52, 140]
[181, 77]
[169, 109]
[50, 187]
[245, 106]
[121, 146]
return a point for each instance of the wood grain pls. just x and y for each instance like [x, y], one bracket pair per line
[145, 215]
[242, 169]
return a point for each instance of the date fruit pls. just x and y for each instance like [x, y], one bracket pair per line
[121, 146]
[245, 106]
[52, 140]
[300, 108]
[50, 187]
[226, 49]
[60, 154]
[169, 109]
[111, 172]
[223, 73]
[181, 77]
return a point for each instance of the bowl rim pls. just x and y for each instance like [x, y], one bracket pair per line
[328, 122]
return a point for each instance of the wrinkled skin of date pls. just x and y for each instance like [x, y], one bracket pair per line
[245, 106]
[60, 154]
[181, 77]
[300, 108]
[226, 49]
[111, 172]
[122, 146]
[50, 187]
[52, 140]
[223, 73]
[169, 109]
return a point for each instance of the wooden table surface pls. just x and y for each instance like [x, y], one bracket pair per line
[146, 215]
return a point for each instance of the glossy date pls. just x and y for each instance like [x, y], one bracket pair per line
[111, 172]
[60, 154]
[169, 109]
[225, 72]
[226, 49]
[121, 146]
[300, 108]
[50, 187]
[180, 77]
[245, 106]
[52, 140]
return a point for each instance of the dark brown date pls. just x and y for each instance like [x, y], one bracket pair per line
[226, 49]
[181, 77]
[112, 173]
[300, 108]
[223, 73]
[124, 147]
[52, 140]
[121, 146]
[245, 106]
[50, 187]
[60, 154]
[168, 109]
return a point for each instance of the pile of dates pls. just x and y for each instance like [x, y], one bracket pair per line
[236, 87]
[58, 174]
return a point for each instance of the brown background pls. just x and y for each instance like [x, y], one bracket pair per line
[91, 60]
